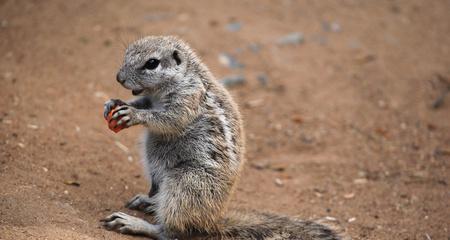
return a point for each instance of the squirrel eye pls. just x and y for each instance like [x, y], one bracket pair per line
[152, 63]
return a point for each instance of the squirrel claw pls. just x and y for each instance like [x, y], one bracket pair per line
[110, 105]
[139, 202]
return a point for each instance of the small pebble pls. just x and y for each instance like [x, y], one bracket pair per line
[77, 128]
[294, 38]
[381, 104]
[45, 169]
[351, 219]
[72, 183]
[362, 173]
[238, 50]
[349, 195]
[66, 192]
[101, 95]
[122, 147]
[7, 75]
[254, 47]
[254, 103]
[306, 139]
[278, 182]
[262, 79]
[403, 126]
[360, 181]
[234, 26]
[297, 119]
[32, 126]
[277, 126]
[21, 145]
[231, 81]
[335, 27]
[260, 165]
[229, 61]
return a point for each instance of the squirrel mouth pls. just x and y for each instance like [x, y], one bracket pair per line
[137, 92]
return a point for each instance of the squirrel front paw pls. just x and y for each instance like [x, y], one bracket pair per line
[142, 203]
[126, 115]
[110, 105]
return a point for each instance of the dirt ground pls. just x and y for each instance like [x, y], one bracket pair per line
[352, 122]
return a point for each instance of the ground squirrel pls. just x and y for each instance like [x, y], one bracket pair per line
[194, 151]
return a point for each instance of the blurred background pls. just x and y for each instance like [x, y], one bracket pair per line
[345, 106]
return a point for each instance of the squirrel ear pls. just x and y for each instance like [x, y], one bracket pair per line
[176, 56]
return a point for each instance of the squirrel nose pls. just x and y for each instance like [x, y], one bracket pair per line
[120, 80]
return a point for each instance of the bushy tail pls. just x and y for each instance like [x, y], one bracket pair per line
[251, 225]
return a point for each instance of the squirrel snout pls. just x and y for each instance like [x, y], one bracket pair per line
[119, 79]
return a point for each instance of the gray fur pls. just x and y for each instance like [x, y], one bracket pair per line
[193, 150]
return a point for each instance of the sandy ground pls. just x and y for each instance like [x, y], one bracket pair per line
[344, 127]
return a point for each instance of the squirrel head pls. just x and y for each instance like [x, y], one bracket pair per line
[154, 62]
